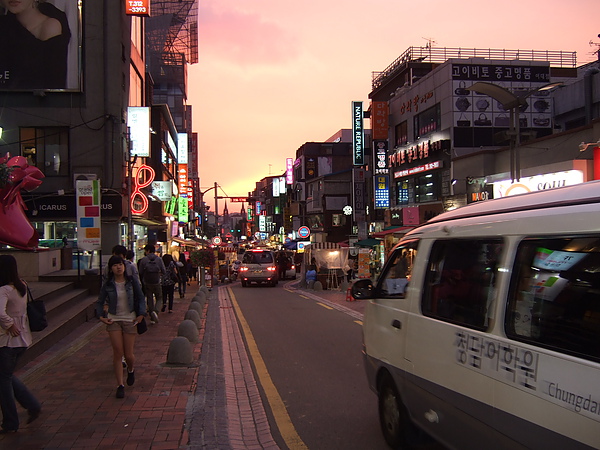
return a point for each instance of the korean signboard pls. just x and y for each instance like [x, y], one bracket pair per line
[87, 194]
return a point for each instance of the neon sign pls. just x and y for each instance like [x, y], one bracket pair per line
[137, 189]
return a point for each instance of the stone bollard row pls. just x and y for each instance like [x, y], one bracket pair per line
[181, 348]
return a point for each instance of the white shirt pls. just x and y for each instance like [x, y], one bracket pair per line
[13, 310]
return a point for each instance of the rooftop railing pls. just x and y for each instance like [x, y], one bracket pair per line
[556, 58]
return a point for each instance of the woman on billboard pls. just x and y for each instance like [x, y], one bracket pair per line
[34, 39]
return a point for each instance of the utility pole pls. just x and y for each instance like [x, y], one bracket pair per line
[217, 229]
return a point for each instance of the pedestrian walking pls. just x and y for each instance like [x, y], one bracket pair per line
[15, 337]
[130, 268]
[183, 276]
[152, 269]
[168, 282]
[121, 305]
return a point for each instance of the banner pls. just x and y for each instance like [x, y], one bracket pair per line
[88, 214]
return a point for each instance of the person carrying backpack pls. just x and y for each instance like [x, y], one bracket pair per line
[152, 269]
[168, 282]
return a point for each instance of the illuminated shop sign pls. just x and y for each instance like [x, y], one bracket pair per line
[537, 183]
[422, 150]
[182, 148]
[418, 169]
[358, 134]
[138, 121]
[381, 163]
[137, 8]
[139, 201]
[382, 192]
[289, 171]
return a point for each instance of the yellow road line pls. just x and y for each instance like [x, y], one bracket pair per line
[303, 296]
[359, 322]
[324, 306]
[282, 418]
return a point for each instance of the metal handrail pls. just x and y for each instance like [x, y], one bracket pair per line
[556, 58]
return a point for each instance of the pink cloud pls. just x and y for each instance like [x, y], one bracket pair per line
[243, 38]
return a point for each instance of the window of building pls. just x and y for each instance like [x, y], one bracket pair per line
[46, 148]
[401, 133]
[460, 281]
[338, 220]
[427, 122]
[403, 192]
[427, 188]
[397, 273]
[554, 297]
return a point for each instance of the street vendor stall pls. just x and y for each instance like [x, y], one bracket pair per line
[330, 260]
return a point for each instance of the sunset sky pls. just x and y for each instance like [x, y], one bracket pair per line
[274, 74]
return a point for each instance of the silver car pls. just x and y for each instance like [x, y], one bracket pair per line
[258, 266]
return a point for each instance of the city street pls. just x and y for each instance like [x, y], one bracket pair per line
[312, 356]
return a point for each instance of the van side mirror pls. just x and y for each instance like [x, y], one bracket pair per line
[362, 289]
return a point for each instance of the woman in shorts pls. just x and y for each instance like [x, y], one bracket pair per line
[121, 305]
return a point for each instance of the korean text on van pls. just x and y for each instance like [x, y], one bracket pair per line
[483, 330]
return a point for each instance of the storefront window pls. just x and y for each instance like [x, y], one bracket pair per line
[46, 148]
[427, 122]
[427, 188]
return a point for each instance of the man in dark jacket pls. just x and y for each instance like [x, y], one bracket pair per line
[152, 269]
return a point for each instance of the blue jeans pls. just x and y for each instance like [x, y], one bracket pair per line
[11, 389]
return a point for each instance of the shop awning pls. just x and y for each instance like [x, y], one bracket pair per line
[370, 242]
[323, 245]
[187, 242]
[391, 230]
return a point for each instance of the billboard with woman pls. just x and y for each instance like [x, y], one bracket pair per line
[40, 45]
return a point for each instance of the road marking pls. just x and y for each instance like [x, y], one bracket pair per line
[324, 306]
[282, 418]
[304, 296]
[358, 322]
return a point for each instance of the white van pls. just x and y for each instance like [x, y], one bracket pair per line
[483, 329]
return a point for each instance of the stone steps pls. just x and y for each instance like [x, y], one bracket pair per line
[67, 306]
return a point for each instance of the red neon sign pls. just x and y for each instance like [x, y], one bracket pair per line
[138, 186]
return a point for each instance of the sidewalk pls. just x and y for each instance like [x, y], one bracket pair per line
[212, 404]
[76, 385]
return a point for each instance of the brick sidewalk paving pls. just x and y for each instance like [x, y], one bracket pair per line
[76, 385]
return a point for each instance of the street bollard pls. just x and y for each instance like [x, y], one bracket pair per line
[194, 316]
[180, 351]
[189, 330]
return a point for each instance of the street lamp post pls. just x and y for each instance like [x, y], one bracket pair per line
[202, 228]
[511, 102]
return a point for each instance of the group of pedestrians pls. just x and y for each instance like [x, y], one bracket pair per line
[129, 292]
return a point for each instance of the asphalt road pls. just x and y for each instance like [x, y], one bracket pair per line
[312, 354]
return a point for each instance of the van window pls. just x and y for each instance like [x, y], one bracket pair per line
[396, 276]
[251, 257]
[460, 281]
[554, 297]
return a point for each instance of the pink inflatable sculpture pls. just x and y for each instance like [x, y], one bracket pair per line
[15, 228]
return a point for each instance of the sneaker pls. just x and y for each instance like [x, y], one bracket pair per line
[154, 316]
[130, 378]
[124, 362]
[121, 391]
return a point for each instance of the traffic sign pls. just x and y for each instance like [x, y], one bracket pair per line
[304, 231]
[216, 240]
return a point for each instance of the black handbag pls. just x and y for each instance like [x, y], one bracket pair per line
[142, 326]
[36, 313]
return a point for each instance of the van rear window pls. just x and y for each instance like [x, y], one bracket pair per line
[460, 281]
[554, 297]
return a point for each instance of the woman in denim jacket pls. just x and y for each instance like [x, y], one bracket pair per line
[121, 305]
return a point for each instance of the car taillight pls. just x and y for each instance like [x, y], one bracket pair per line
[272, 268]
[243, 269]
[293, 267]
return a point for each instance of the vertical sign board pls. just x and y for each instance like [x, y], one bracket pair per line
[358, 134]
[88, 214]
[138, 121]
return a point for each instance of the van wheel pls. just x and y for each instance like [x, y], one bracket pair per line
[397, 429]
[244, 283]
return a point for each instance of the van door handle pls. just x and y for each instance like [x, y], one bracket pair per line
[397, 324]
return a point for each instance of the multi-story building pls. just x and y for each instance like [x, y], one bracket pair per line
[83, 128]
[450, 142]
